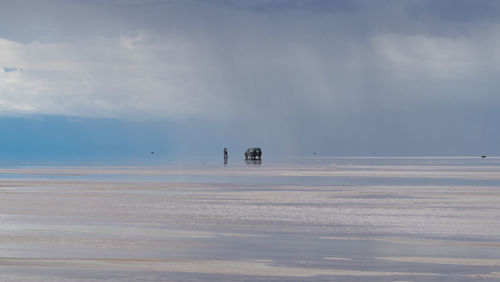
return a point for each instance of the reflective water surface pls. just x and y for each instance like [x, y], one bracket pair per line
[317, 219]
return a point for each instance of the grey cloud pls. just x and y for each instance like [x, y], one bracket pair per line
[462, 10]
[321, 73]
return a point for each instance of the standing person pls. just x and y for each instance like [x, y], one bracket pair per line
[225, 153]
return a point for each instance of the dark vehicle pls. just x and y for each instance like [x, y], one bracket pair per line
[253, 154]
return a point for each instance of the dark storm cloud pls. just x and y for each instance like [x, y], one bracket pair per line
[463, 10]
[343, 76]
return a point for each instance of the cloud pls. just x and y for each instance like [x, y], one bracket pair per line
[176, 74]
[139, 76]
[290, 69]
[443, 57]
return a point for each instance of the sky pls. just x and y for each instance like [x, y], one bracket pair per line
[119, 79]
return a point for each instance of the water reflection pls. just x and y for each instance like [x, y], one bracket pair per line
[253, 162]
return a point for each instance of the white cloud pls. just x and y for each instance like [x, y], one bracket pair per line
[139, 76]
[443, 57]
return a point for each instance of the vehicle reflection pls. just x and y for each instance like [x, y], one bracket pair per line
[251, 162]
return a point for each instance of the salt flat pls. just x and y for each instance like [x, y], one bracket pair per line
[321, 219]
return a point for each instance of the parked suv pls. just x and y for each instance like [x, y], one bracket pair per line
[253, 153]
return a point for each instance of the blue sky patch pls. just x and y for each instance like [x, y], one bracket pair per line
[10, 69]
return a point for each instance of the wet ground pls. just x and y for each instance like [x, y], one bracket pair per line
[320, 219]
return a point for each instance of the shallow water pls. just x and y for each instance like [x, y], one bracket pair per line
[344, 219]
